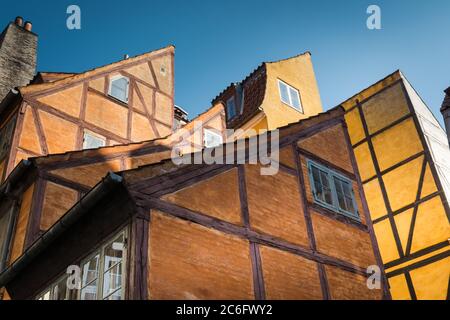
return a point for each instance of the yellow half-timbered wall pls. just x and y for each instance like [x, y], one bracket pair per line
[404, 186]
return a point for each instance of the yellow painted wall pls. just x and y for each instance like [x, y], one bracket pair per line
[298, 72]
[397, 151]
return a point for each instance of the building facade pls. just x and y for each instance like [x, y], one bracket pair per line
[201, 231]
[402, 154]
[363, 185]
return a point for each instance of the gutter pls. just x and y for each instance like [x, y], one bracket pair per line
[82, 207]
[15, 176]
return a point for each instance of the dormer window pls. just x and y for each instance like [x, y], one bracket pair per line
[118, 88]
[290, 96]
[231, 108]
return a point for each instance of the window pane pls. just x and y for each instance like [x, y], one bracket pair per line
[91, 141]
[348, 192]
[90, 270]
[116, 295]
[119, 89]
[231, 108]
[284, 94]
[327, 195]
[211, 139]
[113, 253]
[345, 195]
[112, 280]
[340, 194]
[89, 292]
[295, 99]
[317, 183]
[59, 291]
[46, 296]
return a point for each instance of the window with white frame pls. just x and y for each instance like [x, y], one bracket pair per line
[211, 138]
[290, 95]
[332, 190]
[92, 140]
[231, 108]
[118, 88]
[102, 275]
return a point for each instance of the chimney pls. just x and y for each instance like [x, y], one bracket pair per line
[18, 55]
[445, 110]
[19, 21]
[28, 26]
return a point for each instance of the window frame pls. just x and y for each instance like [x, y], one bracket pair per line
[214, 133]
[101, 271]
[117, 77]
[95, 135]
[232, 98]
[99, 250]
[290, 104]
[331, 175]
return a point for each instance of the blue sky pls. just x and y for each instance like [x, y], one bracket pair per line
[221, 41]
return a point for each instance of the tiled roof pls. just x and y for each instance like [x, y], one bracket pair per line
[253, 88]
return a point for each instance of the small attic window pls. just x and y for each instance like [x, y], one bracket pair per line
[231, 108]
[211, 139]
[290, 96]
[118, 88]
[92, 140]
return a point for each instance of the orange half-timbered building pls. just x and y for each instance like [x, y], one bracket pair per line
[211, 231]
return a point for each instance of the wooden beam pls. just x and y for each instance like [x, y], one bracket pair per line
[39, 130]
[410, 285]
[258, 278]
[381, 183]
[15, 139]
[140, 230]
[95, 76]
[395, 166]
[324, 282]
[326, 163]
[418, 254]
[318, 209]
[69, 163]
[251, 235]
[366, 212]
[64, 182]
[416, 208]
[255, 257]
[303, 198]
[409, 206]
[393, 124]
[419, 264]
[75, 120]
[34, 219]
